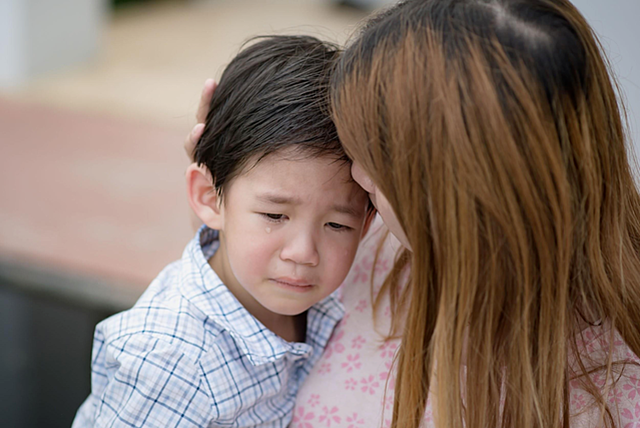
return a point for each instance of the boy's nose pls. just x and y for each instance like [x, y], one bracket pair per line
[301, 249]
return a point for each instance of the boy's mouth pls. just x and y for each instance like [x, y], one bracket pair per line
[292, 282]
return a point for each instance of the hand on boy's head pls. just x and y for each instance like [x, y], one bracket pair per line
[195, 134]
[201, 116]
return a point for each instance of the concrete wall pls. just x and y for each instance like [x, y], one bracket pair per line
[617, 24]
[38, 36]
[12, 41]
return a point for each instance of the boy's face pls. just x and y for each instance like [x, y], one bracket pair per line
[290, 228]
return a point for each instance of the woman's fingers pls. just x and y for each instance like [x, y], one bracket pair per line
[205, 100]
[192, 139]
[201, 115]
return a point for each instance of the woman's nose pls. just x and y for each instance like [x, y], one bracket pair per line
[301, 249]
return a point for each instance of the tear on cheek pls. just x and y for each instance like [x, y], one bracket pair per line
[268, 230]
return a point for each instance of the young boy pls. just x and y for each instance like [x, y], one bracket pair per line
[226, 335]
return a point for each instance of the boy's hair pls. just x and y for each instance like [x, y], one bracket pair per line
[272, 95]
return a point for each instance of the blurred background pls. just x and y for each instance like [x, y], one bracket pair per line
[96, 97]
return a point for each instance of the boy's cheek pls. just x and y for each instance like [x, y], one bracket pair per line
[248, 251]
[253, 258]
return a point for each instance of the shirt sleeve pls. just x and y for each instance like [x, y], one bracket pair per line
[151, 383]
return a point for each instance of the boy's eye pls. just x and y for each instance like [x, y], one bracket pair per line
[338, 226]
[273, 217]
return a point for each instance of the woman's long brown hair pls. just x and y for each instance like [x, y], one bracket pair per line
[493, 129]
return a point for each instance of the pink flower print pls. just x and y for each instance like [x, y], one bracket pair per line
[630, 356]
[599, 380]
[352, 362]
[302, 419]
[603, 342]
[361, 272]
[615, 396]
[354, 421]
[314, 400]
[634, 417]
[578, 401]
[362, 305]
[428, 415]
[388, 349]
[388, 400]
[388, 374]
[369, 384]
[351, 384]
[325, 368]
[391, 383]
[329, 416]
[583, 339]
[588, 341]
[376, 289]
[340, 327]
[633, 386]
[358, 342]
[575, 384]
[339, 330]
[367, 263]
[334, 345]
[387, 311]
[382, 266]
[387, 423]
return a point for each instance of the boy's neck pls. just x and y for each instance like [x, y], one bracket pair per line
[290, 328]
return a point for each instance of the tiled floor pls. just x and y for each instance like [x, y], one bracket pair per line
[91, 164]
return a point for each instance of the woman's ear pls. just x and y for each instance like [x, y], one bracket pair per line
[203, 198]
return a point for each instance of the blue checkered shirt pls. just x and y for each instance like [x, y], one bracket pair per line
[188, 354]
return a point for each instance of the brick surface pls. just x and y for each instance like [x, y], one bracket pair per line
[98, 195]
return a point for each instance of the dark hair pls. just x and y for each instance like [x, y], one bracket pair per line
[272, 95]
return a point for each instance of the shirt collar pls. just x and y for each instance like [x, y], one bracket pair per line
[202, 286]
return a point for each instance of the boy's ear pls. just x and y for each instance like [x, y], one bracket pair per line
[371, 214]
[202, 196]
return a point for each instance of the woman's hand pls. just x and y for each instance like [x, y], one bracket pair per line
[196, 132]
[201, 116]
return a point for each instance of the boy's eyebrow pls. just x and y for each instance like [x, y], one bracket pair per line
[279, 199]
[346, 209]
[286, 200]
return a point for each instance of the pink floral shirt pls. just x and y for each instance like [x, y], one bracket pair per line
[352, 385]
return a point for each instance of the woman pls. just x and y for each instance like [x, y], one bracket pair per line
[490, 138]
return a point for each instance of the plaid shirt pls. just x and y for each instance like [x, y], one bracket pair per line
[188, 354]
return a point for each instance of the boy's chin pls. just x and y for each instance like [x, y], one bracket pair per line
[290, 311]
[289, 307]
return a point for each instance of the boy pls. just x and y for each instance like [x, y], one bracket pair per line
[225, 336]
